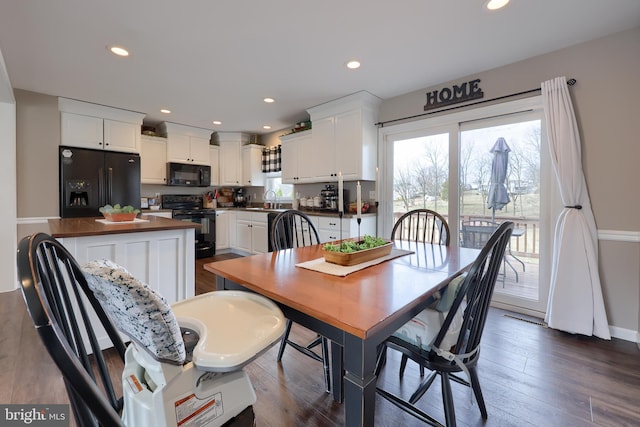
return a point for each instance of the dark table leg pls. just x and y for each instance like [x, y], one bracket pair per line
[359, 381]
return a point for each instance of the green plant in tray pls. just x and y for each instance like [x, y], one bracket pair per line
[349, 246]
[115, 209]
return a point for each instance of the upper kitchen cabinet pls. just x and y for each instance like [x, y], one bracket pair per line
[98, 127]
[214, 158]
[186, 144]
[231, 157]
[153, 160]
[345, 137]
[252, 165]
[297, 163]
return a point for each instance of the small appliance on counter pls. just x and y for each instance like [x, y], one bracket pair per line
[239, 198]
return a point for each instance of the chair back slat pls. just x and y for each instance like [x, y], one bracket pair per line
[422, 225]
[55, 292]
[293, 229]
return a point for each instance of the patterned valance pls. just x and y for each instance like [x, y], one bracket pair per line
[272, 159]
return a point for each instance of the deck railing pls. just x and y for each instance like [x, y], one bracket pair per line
[527, 244]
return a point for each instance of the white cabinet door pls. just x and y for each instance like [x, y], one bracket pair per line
[252, 165]
[230, 162]
[99, 134]
[290, 154]
[214, 162]
[178, 149]
[259, 233]
[186, 144]
[348, 145]
[322, 153]
[233, 230]
[222, 229]
[121, 136]
[244, 236]
[81, 131]
[298, 162]
[153, 158]
[199, 150]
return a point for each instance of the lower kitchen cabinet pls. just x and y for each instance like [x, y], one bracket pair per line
[252, 232]
[222, 229]
[329, 227]
[165, 260]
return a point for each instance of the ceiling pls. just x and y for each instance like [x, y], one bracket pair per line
[211, 60]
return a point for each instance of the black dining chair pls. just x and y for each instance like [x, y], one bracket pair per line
[52, 282]
[420, 225]
[467, 315]
[294, 229]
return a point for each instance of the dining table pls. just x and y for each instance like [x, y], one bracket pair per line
[356, 307]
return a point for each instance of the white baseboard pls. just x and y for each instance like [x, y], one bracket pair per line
[625, 334]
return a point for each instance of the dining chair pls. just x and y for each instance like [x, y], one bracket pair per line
[294, 229]
[165, 364]
[420, 225]
[465, 319]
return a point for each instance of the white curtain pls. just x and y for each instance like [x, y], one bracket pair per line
[575, 297]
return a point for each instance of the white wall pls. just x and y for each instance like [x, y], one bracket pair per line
[8, 234]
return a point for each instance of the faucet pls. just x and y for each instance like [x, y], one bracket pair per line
[272, 202]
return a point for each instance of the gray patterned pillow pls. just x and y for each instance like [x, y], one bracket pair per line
[137, 310]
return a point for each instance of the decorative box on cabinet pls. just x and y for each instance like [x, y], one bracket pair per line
[87, 125]
[252, 165]
[345, 137]
[153, 160]
[186, 144]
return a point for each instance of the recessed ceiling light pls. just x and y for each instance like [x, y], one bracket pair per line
[353, 64]
[269, 100]
[217, 122]
[266, 127]
[165, 111]
[118, 50]
[496, 4]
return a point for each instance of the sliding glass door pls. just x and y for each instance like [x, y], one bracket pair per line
[478, 168]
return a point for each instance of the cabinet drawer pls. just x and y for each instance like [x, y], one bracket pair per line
[333, 224]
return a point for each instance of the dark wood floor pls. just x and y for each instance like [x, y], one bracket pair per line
[530, 376]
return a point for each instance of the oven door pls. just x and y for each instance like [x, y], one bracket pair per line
[205, 238]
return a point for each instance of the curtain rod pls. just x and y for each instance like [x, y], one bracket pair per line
[570, 82]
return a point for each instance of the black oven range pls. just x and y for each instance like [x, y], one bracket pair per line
[188, 207]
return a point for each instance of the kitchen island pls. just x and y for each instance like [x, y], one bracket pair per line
[156, 250]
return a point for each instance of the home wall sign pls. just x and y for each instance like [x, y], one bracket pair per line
[453, 95]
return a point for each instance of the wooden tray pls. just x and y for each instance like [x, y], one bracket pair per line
[358, 257]
[119, 217]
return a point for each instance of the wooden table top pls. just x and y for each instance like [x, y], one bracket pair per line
[356, 303]
[79, 227]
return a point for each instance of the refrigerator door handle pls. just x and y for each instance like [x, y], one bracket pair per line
[110, 185]
[101, 185]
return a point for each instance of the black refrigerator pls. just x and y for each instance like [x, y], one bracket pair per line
[90, 179]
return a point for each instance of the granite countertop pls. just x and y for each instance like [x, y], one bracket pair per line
[79, 227]
[328, 213]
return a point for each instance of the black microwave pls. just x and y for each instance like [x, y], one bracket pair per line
[188, 175]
